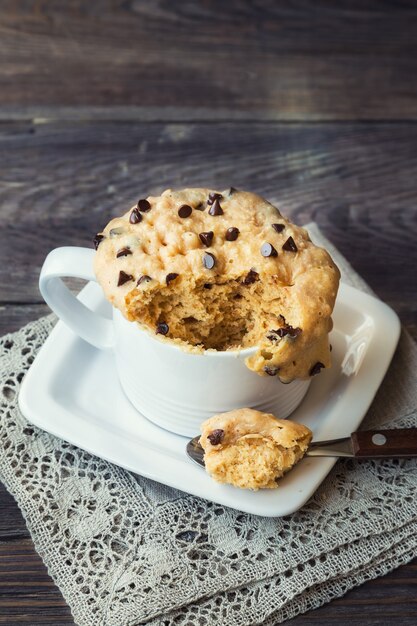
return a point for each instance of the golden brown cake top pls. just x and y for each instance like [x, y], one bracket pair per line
[221, 270]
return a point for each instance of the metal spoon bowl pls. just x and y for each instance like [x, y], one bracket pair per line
[195, 451]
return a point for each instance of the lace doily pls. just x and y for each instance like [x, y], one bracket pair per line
[127, 551]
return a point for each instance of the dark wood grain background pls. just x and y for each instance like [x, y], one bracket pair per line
[311, 103]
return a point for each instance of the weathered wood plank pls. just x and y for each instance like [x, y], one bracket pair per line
[14, 316]
[60, 183]
[12, 524]
[185, 60]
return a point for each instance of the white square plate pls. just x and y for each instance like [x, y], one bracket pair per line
[73, 392]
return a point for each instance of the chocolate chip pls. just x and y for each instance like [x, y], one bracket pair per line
[289, 245]
[185, 210]
[123, 278]
[97, 240]
[271, 370]
[316, 369]
[208, 286]
[267, 249]
[144, 205]
[215, 208]
[281, 332]
[232, 234]
[289, 331]
[285, 331]
[142, 279]
[209, 260]
[216, 436]
[162, 328]
[278, 227]
[206, 238]
[123, 252]
[170, 277]
[250, 277]
[200, 207]
[135, 217]
[214, 196]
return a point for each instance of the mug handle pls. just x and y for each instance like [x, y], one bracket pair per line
[74, 262]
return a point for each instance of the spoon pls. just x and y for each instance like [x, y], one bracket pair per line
[364, 444]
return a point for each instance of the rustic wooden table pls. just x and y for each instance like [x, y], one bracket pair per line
[312, 105]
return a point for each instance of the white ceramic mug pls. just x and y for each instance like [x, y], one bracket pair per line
[173, 388]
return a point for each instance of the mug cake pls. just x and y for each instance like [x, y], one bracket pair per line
[222, 270]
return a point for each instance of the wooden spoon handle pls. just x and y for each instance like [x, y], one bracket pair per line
[379, 444]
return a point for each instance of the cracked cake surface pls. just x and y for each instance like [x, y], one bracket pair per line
[250, 449]
[222, 270]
